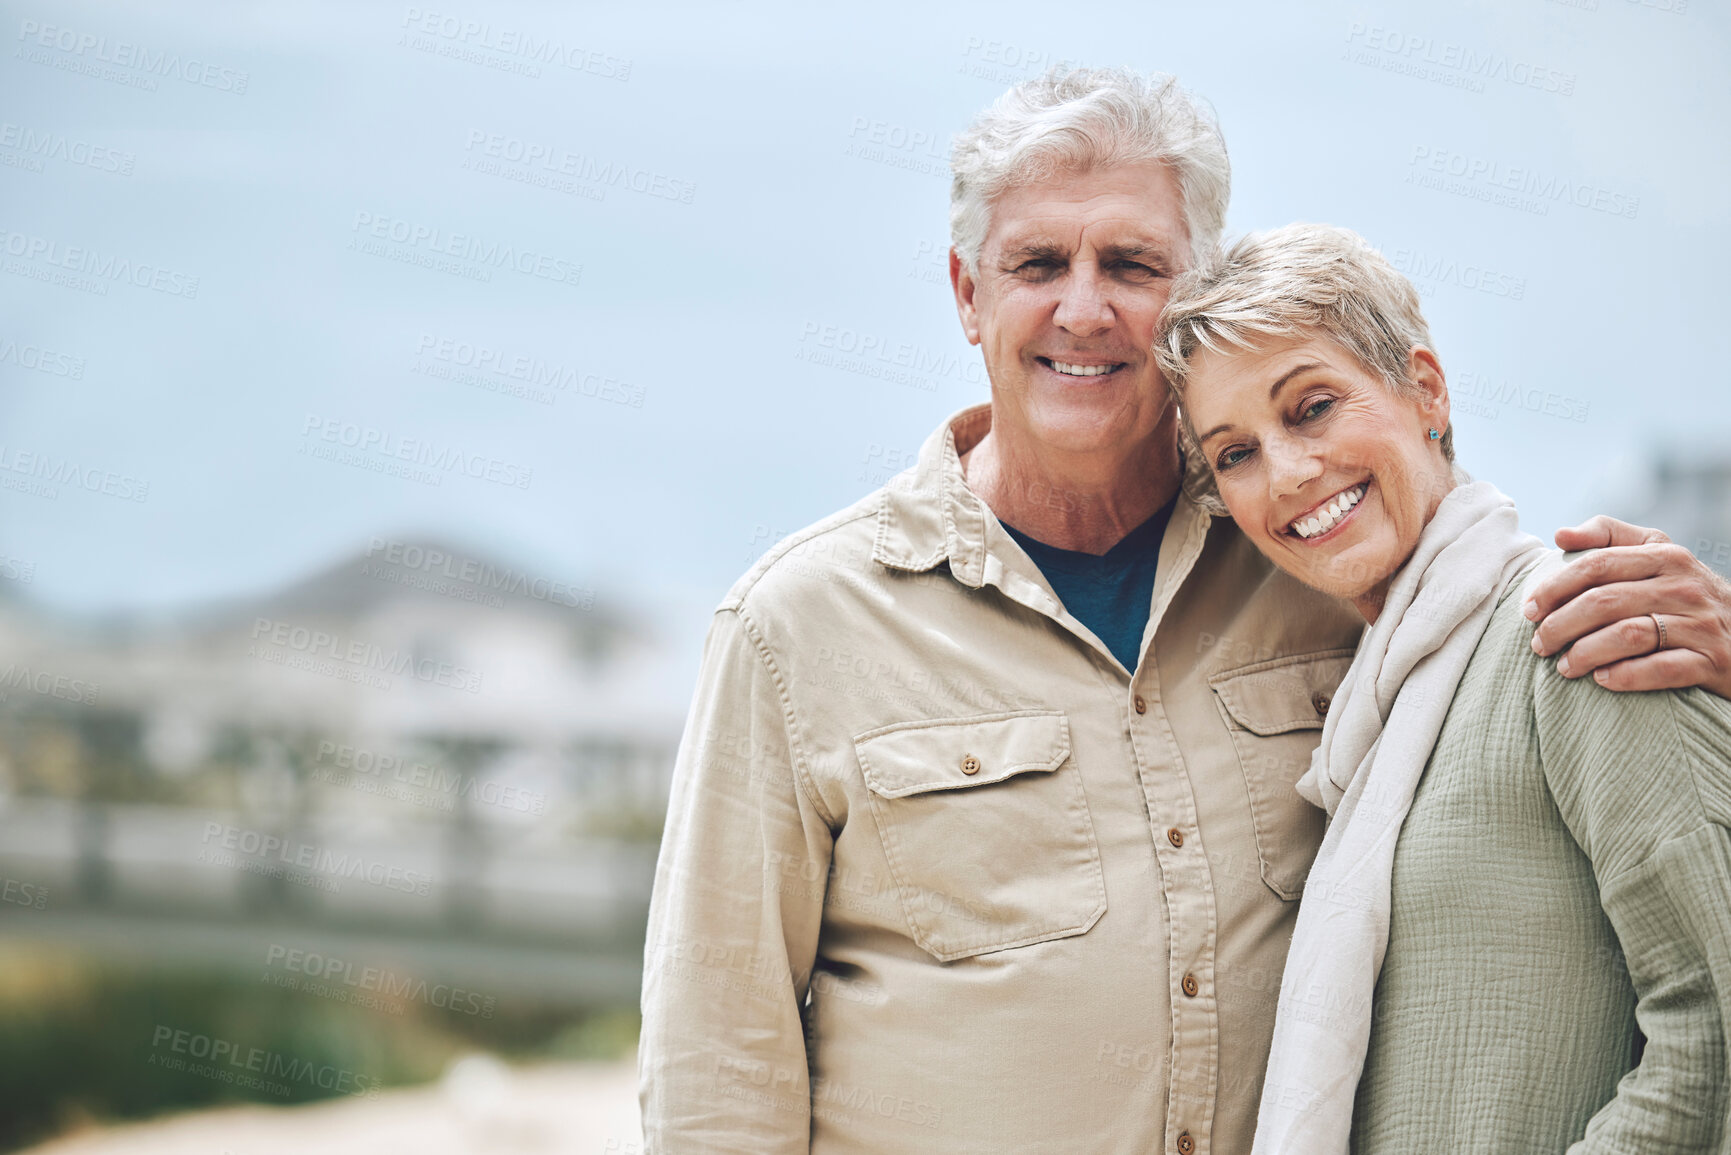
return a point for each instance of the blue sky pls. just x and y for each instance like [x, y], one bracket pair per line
[394, 223]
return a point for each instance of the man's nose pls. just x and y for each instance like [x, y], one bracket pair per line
[1083, 306]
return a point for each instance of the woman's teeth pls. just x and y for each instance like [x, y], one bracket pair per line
[1082, 370]
[1329, 515]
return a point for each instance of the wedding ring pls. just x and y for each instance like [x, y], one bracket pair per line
[1659, 622]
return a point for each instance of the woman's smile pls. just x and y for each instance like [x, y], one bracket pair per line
[1325, 521]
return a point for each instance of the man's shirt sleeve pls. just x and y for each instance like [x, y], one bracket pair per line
[733, 924]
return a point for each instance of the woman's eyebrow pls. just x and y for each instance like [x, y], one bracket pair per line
[1274, 390]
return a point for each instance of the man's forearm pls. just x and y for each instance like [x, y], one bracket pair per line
[733, 922]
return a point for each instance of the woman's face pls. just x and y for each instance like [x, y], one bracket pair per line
[1327, 471]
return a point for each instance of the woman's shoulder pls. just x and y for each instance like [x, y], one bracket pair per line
[1647, 765]
[1508, 640]
[1505, 651]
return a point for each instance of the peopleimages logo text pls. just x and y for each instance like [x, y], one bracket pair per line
[47, 683]
[363, 655]
[104, 266]
[67, 472]
[580, 166]
[517, 42]
[435, 562]
[531, 370]
[247, 1066]
[380, 979]
[49, 145]
[1469, 62]
[260, 845]
[41, 360]
[124, 54]
[1521, 180]
[366, 439]
[466, 247]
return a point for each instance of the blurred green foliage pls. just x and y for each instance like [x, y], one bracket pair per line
[77, 1038]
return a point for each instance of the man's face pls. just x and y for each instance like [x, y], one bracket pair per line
[1071, 282]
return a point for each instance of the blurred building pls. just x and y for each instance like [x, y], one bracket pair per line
[1689, 497]
[418, 741]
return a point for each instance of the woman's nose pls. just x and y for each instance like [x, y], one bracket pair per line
[1291, 465]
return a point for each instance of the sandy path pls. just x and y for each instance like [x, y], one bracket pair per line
[481, 1107]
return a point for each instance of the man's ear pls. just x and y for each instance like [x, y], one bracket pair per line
[1425, 372]
[964, 285]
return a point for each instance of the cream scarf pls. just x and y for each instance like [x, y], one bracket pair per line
[1375, 743]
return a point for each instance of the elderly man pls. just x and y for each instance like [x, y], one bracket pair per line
[984, 836]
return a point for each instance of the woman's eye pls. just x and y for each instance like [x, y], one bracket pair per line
[1316, 408]
[1230, 457]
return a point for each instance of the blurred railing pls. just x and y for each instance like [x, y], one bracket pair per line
[558, 917]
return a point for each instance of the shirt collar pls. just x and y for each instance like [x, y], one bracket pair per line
[930, 516]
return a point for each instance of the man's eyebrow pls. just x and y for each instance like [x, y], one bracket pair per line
[1148, 248]
[1273, 391]
[1036, 247]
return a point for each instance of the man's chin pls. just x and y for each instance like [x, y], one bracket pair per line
[1075, 438]
[1098, 424]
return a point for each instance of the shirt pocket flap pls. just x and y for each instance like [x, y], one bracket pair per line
[1284, 694]
[953, 753]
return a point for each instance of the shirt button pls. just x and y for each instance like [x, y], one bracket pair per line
[1322, 702]
[970, 764]
[1189, 985]
[1175, 836]
[1141, 706]
[1185, 1143]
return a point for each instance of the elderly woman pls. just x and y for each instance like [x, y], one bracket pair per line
[1520, 867]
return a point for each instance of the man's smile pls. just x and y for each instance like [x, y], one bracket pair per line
[1081, 368]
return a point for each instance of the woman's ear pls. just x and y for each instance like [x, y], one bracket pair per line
[1425, 373]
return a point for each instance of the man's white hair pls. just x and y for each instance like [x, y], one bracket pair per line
[1074, 120]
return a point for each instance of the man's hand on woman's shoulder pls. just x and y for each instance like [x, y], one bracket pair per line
[1638, 612]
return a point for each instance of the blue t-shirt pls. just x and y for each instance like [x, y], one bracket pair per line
[1110, 593]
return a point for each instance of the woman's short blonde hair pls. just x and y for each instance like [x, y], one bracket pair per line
[1293, 281]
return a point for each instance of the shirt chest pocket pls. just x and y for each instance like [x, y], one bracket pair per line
[1274, 712]
[986, 830]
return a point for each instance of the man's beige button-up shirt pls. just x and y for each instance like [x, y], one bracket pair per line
[940, 875]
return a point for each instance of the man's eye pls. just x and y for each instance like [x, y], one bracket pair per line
[1230, 457]
[1037, 265]
[1316, 408]
[1138, 270]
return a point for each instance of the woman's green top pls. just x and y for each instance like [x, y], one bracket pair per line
[1564, 875]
